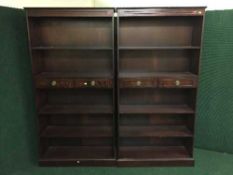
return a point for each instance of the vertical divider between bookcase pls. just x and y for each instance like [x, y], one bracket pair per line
[117, 79]
[114, 88]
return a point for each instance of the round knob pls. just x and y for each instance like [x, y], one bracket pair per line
[93, 83]
[85, 83]
[177, 82]
[78, 162]
[53, 83]
[139, 83]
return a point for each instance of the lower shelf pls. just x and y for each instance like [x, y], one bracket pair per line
[128, 156]
[151, 152]
[78, 152]
[154, 156]
[155, 162]
[120, 162]
[78, 156]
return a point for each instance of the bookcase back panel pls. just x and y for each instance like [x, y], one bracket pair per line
[73, 61]
[160, 31]
[71, 32]
[156, 61]
[130, 141]
[80, 141]
[153, 119]
[81, 96]
[79, 119]
[154, 96]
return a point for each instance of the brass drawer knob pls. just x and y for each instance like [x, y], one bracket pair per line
[93, 83]
[197, 12]
[85, 83]
[53, 83]
[139, 83]
[177, 82]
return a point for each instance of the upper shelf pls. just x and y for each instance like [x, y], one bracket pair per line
[69, 48]
[157, 47]
[157, 74]
[75, 75]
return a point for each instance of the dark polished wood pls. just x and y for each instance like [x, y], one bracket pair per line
[72, 52]
[155, 109]
[42, 82]
[115, 87]
[158, 59]
[155, 162]
[161, 11]
[69, 12]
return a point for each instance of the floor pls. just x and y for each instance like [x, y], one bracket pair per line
[207, 163]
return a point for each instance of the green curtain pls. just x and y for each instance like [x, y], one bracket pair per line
[214, 123]
[17, 113]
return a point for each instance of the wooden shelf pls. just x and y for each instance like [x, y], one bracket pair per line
[77, 131]
[69, 48]
[157, 74]
[155, 131]
[153, 152]
[76, 109]
[77, 152]
[158, 47]
[155, 109]
[75, 75]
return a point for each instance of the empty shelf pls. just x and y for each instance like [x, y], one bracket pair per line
[153, 152]
[155, 131]
[157, 74]
[69, 48]
[157, 47]
[78, 152]
[75, 75]
[77, 131]
[152, 109]
[76, 109]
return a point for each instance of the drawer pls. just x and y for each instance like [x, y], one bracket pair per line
[137, 82]
[177, 82]
[73, 83]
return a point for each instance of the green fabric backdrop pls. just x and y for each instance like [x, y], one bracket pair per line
[18, 138]
[17, 113]
[214, 124]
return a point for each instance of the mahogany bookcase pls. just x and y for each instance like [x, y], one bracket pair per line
[115, 87]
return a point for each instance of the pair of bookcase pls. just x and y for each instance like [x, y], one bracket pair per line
[115, 87]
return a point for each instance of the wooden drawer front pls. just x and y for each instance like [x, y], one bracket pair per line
[95, 83]
[73, 83]
[177, 83]
[162, 12]
[137, 83]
